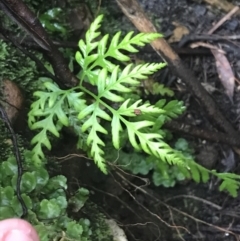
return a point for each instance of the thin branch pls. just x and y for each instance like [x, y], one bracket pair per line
[223, 20]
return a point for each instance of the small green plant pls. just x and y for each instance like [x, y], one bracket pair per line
[167, 175]
[52, 109]
[162, 173]
[46, 201]
[50, 21]
[109, 109]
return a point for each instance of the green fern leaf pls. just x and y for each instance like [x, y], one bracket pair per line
[87, 111]
[42, 135]
[205, 175]
[102, 45]
[163, 151]
[95, 142]
[162, 90]
[97, 154]
[48, 111]
[174, 108]
[126, 44]
[185, 171]
[95, 128]
[75, 101]
[116, 129]
[230, 186]
[133, 132]
[145, 108]
[129, 76]
[92, 32]
[89, 61]
[195, 173]
[92, 124]
[47, 125]
[161, 103]
[228, 176]
[132, 76]
[38, 155]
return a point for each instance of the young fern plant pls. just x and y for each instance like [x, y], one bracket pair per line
[100, 61]
[50, 112]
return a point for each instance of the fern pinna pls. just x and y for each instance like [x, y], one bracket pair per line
[98, 59]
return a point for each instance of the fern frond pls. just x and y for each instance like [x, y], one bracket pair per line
[197, 172]
[93, 127]
[89, 60]
[124, 110]
[162, 90]
[152, 144]
[48, 113]
[92, 33]
[96, 151]
[149, 142]
[172, 108]
[142, 121]
[108, 86]
[230, 185]
[127, 44]
[230, 181]
[128, 77]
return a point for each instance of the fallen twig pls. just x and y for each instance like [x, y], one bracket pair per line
[223, 20]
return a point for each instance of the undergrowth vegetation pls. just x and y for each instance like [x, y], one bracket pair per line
[50, 206]
[113, 125]
[113, 108]
[47, 203]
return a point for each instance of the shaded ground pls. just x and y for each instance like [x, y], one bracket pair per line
[188, 211]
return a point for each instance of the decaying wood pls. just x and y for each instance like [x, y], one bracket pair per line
[133, 11]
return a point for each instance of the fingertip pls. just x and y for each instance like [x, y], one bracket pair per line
[17, 227]
[18, 235]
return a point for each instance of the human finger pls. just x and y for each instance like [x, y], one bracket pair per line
[17, 229]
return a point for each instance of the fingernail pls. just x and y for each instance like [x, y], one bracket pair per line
[17, 235]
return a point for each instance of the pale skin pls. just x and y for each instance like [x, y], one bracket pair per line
[15, 229]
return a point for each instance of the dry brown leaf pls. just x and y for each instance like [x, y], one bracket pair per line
[225, 72]
[178, 33]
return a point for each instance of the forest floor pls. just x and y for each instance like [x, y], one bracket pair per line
[187, 211]
[210, 48]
